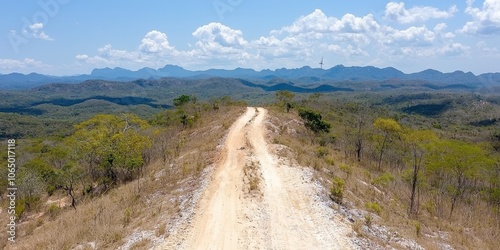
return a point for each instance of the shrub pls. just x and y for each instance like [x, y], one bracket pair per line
[20, 209]
[337, 190]
[161, 230]
[373, 207]
[357, 227]
[418, 228]
[126, 216]
[321, 152]
[383, 180]
[314, 121]
[50, 189]
[330, 161]
[53, 210]
[346, 169]
[368, 220]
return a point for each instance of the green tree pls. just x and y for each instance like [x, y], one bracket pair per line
[314, 121]
[284, 98]
[69, 175]
[388, 128]
[314, 97]
[416, 141]
[182, 100]
[460, 163]
[30, 184]
[108, 143]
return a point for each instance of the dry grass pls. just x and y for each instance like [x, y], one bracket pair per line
[108, 220]
[473, 226]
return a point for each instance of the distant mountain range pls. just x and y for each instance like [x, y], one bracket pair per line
[305, 75]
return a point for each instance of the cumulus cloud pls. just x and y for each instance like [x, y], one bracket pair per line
[156, 42]
[36, 30]
[318, 22]
[316, 30]
[220, 34]
[347, 51]
[286, 47]
[454, 49]
[486, 20]
[488, 50]
[12, 64]
[356, 38]
[413, 36]
[399, 13]
[353, 24]
[153, 48]
[108, 56]
[440, 30]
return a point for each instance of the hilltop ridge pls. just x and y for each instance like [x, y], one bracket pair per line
[304, 74]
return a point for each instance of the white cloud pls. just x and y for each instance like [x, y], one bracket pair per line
[108, 52]
[152, 51]
[286, 47]
[108, 56]
[310, 33]
[488, 50]
[221, 35]
[217, 42]
[318, 22]
[92, 60]
[156, 42]
[353, 24]
[347, 51]
[36, 30]
[397, 12]
[413, 36]
[486, 21]
[12, 64]
[358, 39]
[440, 31]
[454, 49]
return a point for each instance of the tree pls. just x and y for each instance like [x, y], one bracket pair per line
[416, 140]
[69, 174]
[314, 122]
[109, 143]
[182, 100]
[389, 128]
[30, 184]
[285, 98]
[460, 162]
[314, 97]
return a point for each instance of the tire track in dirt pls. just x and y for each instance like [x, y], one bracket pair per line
[281, 214]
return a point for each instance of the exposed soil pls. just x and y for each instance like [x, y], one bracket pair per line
[255, 200]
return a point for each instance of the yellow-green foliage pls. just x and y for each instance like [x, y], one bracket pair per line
[373, 207]
[337, 189]
[346, 169]
[53, 210]
[383, 180]
[330, 161]
[321, 152]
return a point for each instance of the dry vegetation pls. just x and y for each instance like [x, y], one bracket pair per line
[141, 212]
[377, 202]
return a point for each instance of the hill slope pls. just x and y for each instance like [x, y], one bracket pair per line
[257, 201]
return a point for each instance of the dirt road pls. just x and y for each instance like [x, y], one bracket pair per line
[257, 201]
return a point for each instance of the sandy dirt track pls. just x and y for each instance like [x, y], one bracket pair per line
[255, 200]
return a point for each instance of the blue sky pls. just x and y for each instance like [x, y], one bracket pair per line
[65, 37]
